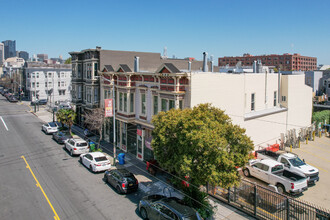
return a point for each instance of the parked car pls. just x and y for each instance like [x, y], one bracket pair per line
[50, 127]
[273, 172]
[161, 207]
[122, 180]
[61, 136]
[95, 161]
[292, 163]
[76, 146]
[64, 105]
[42, 101]
[12, 99]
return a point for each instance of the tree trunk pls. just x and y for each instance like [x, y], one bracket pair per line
[101, 134]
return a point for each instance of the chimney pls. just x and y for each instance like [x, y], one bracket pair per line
[136, 64]
[254, 66]
[212, 66]
[189, 66]
[205, 68]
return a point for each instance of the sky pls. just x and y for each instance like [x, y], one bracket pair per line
[186, 28]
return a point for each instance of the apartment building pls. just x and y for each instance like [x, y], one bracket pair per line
[86, 65]
[47, 81]
[285, 62]
[263, 103]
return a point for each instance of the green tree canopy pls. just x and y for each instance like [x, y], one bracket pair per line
[321, 117]
[68, 61]
[66, 116]
[201, 143]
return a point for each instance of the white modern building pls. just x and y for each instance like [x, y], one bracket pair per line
[47, 81]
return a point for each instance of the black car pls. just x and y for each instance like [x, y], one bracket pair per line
[12, 99]
[161, 207]
[121, 179]
[61, 136]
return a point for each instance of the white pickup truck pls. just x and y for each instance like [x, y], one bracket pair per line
[292, 163]
[273, 172]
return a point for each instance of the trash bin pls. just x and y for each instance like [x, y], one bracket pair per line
[121, 158]
[92, 146]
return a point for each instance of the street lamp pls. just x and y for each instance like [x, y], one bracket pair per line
[114, 116]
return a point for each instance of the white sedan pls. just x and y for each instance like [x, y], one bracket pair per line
[50, 127]
[95, 161]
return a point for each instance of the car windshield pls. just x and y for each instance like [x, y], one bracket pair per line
[52, 124]
[81, 144]
[100, 159]
[296, 162]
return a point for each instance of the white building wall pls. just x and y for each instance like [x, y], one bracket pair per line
[299, 101]
[60, 75]
[228, 92]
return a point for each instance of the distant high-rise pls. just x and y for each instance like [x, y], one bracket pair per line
[10, 48]
[2, 54]
[42, 57]
[24, 55]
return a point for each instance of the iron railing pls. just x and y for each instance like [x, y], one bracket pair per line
[264, 203]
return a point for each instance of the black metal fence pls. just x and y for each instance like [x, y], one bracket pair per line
[264, 203]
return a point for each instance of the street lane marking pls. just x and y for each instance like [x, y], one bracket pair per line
[4, 123]
[319, 147]
[314, 155]
[317, 167]
[323, 141]
[42, 190]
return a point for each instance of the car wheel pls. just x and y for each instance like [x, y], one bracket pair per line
[144, 213]
[280, 188]
[91, 168]
[80, 160]
[246, 172]
[71, 153]
[118, 190]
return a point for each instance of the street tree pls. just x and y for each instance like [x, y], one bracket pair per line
[66, 116]
[68, 61]
[95, 120]
[202, 144]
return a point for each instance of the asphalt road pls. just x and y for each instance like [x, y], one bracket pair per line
[73, 192]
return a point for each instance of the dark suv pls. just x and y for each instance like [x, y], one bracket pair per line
[121, 179]
[161, 207]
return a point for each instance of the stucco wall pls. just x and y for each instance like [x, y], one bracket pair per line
[228, 92]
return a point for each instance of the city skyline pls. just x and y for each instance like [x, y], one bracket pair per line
[186, 28]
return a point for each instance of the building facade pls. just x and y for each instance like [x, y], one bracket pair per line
[266, 105]
[285, 62]
[10, 48]
[46, 81]
[24, 55]
[87, 63]
[2, 54]
[42, 57]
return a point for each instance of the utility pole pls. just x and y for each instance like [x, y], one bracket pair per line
[114, 122]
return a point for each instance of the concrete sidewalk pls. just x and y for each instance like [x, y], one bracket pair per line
[147, 183]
